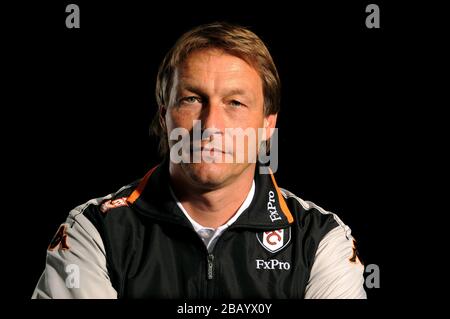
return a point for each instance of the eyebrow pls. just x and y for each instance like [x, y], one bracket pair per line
[236, 91]
[191, 88]
[199, 91]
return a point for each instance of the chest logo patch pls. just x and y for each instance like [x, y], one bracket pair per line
[274, 240]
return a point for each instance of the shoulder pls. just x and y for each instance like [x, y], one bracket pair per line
[100, 207]
[309, 215]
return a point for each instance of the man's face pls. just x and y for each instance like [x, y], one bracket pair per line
[223, 92]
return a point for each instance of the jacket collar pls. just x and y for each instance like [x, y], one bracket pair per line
[267, 211]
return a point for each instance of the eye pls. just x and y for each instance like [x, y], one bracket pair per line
[190, 100]
[236, 103]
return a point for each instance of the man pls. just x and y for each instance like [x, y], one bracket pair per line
[207, 222]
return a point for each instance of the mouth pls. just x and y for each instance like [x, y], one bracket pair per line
[204, 149]
[207, 150]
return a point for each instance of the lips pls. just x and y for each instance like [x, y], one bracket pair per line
[209, 149]
[206, 149]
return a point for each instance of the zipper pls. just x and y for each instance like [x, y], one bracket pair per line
[210, 263]
[211, 267]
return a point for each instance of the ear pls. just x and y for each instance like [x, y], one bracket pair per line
[162, 117]
[270, 122]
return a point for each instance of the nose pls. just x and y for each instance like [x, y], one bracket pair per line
[212, 117]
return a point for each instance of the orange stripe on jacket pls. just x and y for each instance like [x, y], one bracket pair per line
[138, 191]
[283, 204]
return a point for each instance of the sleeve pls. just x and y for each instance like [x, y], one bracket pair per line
[75, 264]
[337, 273]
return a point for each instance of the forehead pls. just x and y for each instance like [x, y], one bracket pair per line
[216, 67]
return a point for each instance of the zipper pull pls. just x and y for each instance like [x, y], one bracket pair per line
[210, 266]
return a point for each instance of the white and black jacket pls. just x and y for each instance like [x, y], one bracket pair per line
[136, 243]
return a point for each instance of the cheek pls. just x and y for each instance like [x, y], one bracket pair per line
[256, 121]
[173, 119]
[177, 119]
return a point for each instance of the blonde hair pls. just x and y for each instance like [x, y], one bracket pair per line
[232, 39]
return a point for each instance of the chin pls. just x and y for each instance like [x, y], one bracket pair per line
[209, 175]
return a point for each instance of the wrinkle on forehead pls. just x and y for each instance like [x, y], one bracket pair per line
[214, 70]
[210, 60]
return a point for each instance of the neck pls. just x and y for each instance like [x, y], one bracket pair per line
[213, 207]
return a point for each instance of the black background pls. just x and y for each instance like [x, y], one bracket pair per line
[86, 99]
